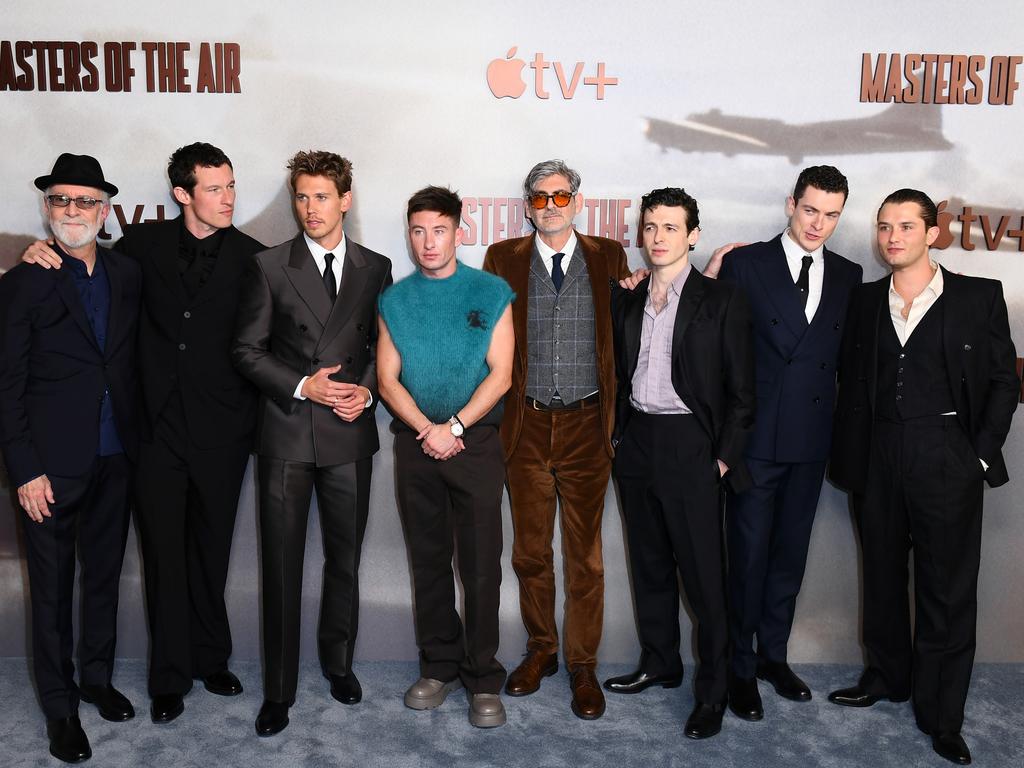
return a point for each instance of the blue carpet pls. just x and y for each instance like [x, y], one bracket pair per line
[642, 730]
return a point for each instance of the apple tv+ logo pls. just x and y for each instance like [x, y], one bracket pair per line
[505, 77]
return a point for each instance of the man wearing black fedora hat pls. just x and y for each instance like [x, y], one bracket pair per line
[69, 441]
[197, 429]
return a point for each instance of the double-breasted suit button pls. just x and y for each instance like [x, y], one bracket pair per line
[181, 347]
[316, 361]
[817, 400]
[836, 327]
[348, 359]
[302, 328]
[967, 347]
[359, 326]
[824, 366]
[187, 314]
[775, 321]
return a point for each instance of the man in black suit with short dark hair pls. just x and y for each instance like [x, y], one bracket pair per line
[69, 438]
[928, 388]
[685, 408]
[200, 416]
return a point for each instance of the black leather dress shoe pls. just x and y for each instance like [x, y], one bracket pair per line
[68, 741]
[705, 720]
[639, 680]
[346, 688]
[745, 699]
[111, 703]
[166, 707]
[223, 683]
[858, 696]
[784, 680]
[273, 718]
[952, 747]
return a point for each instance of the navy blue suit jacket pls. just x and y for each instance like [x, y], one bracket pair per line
[53, 373]
[794, 362]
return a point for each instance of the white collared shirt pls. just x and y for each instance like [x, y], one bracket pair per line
[815, 276]
[320, 257]
[919, 305]
[547, 253]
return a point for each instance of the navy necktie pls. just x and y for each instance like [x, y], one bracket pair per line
[803, 281]
[329, 282]
[557, 275]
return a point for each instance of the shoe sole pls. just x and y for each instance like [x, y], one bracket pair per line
[486, 721]
[630, 691]
[545, 673]
[435, 701]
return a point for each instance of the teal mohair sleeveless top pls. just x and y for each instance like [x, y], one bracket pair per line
[442, 329]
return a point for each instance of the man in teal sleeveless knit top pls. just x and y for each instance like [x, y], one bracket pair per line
[444, 360]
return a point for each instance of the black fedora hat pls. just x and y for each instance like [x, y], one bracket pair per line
[83, 170]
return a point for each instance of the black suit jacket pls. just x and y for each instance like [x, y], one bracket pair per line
[794, 362]
[53, 373]
[288, 329]
[712, 363]
[186, 344]
[980, 363]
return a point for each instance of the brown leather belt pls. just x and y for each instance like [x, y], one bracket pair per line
[575, 405]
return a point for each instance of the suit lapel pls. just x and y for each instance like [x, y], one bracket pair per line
[689, 300]
[633, 324]
[301, 271]
[69, 295]
[354, 276]
[952, 322]
[518, 276]
[780, 288]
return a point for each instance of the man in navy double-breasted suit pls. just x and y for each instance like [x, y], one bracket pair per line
[798, 292]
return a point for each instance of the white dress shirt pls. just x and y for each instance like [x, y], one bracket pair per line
[815, 276]
[547, 253]
[919, 305]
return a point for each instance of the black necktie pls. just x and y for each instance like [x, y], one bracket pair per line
[329, 284]
[556, 272]
[803, 281]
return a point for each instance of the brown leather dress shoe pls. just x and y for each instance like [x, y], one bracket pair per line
[587, 698]
[527, 676]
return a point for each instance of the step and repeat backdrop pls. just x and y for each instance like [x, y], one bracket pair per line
[729, 100]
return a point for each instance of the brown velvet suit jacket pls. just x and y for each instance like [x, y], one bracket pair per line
[606, 265]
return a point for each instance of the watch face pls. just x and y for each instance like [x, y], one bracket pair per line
[457, 429]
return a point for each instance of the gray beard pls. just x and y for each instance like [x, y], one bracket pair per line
[59, 231]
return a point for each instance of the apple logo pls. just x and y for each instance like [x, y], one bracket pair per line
[503, 76]
[945, 238]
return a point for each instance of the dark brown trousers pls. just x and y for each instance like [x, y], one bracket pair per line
[560, 455]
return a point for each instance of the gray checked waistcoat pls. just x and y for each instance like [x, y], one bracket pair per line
[560, 333]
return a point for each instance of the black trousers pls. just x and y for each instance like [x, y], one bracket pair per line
[924, 491]
[186, 501]
[671, 500]
[92, 511]
[453, 509]
[343, 499]
[769, 531]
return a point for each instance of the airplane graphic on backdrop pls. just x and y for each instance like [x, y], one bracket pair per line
[900, 128]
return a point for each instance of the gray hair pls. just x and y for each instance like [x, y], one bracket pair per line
[541, 171]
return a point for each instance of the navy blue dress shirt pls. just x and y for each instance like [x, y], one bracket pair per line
[94, 291]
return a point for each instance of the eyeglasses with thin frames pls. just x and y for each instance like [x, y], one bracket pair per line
[82, 202]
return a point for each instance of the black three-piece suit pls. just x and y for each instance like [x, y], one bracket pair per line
[667, 471]
[199, 419]
[916, 476]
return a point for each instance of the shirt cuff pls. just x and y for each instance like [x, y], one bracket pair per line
[297, 394]
[369, 400]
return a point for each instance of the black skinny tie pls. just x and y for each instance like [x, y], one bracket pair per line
[803, 281]
[557, 275]
[329, 282]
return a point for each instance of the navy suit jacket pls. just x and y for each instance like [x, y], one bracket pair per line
[794, 362]
[53, 373]
[980, 366]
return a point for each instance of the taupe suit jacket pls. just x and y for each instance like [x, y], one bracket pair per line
[606, 265]
[287, 329]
